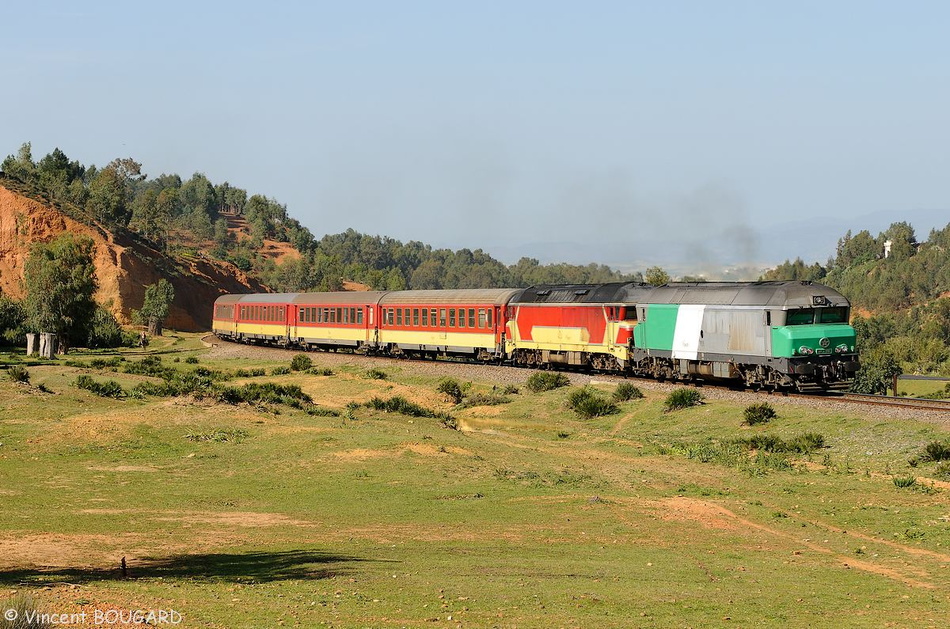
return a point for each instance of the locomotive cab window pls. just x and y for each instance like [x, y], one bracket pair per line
[803, 316]
[833, 315]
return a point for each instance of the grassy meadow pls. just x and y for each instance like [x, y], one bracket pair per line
[507, 510]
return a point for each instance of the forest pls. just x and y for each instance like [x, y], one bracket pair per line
[899, 286]
[182, 216]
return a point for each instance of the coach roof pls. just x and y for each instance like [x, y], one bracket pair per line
[472, 296]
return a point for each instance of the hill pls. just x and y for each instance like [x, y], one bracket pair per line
[125, 265]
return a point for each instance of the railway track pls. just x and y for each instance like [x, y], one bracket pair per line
[902, 402]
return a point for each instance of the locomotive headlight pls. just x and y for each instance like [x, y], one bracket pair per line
[841, 348]
[805, 350]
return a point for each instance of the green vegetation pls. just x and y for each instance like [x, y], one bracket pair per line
[300, 362]
[541, 381]
[451, 388]
[682, 398]
[158, 301]
[305, 515]
[184, 217]
[18, 373]
[759, 413]
[588, 403]
[627, 391]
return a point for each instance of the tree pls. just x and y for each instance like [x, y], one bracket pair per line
[111, 191]
[158, 300]
[878, 368]
[60, 280]
[657, 276]
[21, 167]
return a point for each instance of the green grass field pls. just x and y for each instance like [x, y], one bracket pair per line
[528, 516]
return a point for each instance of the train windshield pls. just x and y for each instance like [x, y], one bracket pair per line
[807, 316]
[833, 315]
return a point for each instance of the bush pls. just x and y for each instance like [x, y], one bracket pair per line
[280, 371]
[936, 451]
[322, 411]
[268, 392]
[626, 391]
[451, 388]
[541, 381]
[375, 374]
[320, 371]
[399, 404]
[110, 388]
[17, 373]
[903, 482]
[483, 399]
[24, 613]
[219, 435]
[759, 413]
[588, 403]
[510, 390]
[192, 360]
[682, 398]
[301, 362]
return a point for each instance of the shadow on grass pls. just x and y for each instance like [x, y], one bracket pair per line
[251, 567]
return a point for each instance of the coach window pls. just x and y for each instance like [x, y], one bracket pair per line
[489, 317]
[339, 315]
[451, 317]
[425, 317]
[359, 315]
[481, 318]
[415, 317]
[441, 317]
[461, 317]
[471, 317]
[432, 319]
[398, 316]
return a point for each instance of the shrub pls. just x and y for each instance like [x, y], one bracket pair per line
[250, 373]
[24, 614]
[192, 360]
[106, 363]
[17, 373]
[903, 482]
[110, 388]
[936, 451]
[510, 390]
[219, 435]
[451, 388]
[280, 371]
[759, 413]
[484, 399]
[399, 404]
[320, 371]
[806, 442]
[589, 403]
[301, 362]
[682, 398]
[375, 374]
[626, 391]
[541, 381]
[149, 366]
[268, 392]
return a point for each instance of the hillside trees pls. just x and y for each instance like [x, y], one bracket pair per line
[157, 303]
[59, 278]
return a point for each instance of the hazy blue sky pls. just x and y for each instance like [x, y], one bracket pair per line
[502, 124]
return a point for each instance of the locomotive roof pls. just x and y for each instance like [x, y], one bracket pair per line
[613, 292]
[792, 294]
[494, 296]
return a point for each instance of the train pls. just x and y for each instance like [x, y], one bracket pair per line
[777, 335]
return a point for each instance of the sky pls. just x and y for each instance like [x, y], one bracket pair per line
[619, 132]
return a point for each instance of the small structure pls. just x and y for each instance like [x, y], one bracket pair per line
[32, 344]
[49, 344]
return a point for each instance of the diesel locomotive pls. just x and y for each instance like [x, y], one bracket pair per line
[780, 335]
